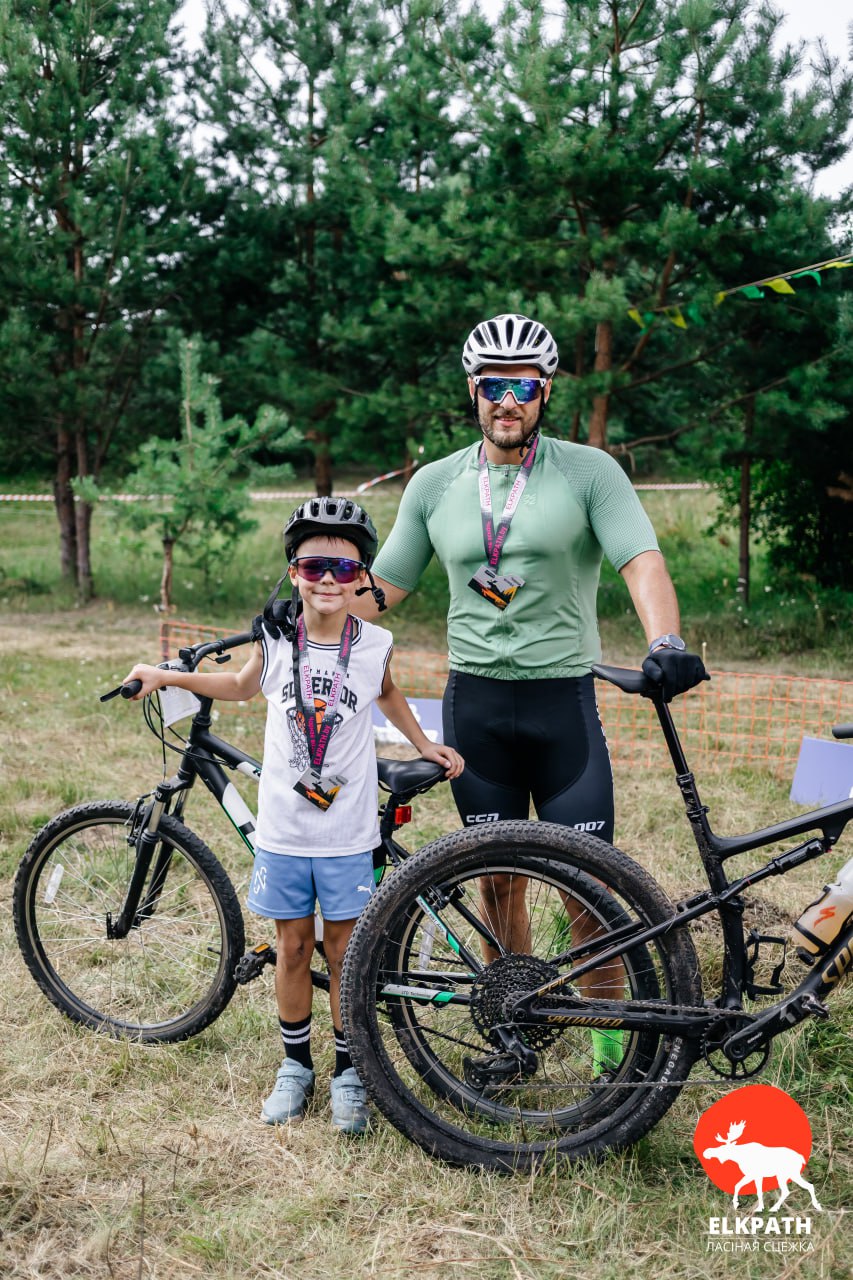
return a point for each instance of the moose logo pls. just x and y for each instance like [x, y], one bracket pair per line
[767, 1118]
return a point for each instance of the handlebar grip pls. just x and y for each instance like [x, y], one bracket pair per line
[126, 691]
[842, 731]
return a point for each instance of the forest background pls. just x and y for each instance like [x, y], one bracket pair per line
[324, 197]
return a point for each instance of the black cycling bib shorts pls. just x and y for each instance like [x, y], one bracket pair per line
[529, 739]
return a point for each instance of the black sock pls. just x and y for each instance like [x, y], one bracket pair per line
[296, 1038]
[343, 1061]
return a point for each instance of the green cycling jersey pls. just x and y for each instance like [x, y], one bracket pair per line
[577, 507]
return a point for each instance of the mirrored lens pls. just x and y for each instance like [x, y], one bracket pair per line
[524, 389]
[312, 568]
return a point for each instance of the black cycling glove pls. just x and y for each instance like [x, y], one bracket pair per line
[277, 620]
[675, 670]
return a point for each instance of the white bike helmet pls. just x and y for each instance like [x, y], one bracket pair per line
[510, 339]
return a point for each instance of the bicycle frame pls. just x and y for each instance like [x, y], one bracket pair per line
[722, 896]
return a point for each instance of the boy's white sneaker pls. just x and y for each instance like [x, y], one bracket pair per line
[349, 1103]
[294, 1085]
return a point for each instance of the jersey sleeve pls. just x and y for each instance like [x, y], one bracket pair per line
[408, 550]
[616, 514]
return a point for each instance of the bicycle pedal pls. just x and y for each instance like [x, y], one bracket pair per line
[252, 964]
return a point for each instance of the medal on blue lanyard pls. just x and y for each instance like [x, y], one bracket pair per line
[499, 588]
[313, 785]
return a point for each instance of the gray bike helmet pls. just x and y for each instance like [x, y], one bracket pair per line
[336, 518]
[510, 339]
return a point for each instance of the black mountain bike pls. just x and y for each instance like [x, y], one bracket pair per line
[565, 1025]
[126, 919]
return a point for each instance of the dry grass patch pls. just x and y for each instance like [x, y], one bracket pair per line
[120, 1162]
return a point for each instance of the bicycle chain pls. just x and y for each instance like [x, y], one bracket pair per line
[511, 977]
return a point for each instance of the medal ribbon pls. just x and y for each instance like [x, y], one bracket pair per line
[493, 541]
[318, 739]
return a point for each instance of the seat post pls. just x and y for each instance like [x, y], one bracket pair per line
[670, 734]
[696, 810]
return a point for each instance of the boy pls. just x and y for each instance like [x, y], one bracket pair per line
[317, 823]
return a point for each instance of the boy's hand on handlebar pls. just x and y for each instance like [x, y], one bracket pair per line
[452, 761]
[151, 678]
[675, 670]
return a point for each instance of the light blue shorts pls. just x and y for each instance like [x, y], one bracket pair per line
[285, 887]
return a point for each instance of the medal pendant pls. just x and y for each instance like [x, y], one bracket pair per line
[319, 790]
[498, 588]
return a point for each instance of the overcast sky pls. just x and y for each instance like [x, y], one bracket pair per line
[805, 20]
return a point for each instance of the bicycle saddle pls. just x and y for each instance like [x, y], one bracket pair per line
[626, 679]
[406, 778]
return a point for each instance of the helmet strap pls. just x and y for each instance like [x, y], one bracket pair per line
[377, 593]
[534, 431]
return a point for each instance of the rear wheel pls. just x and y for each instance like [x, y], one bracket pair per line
[173, 973]
[435, 1058]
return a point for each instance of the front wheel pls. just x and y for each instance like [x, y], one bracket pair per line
[427, 1001]
[173, 973]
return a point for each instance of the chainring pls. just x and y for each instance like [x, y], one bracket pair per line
[714, 1053]
[497, 989]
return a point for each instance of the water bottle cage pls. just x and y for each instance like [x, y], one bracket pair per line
[754, 943]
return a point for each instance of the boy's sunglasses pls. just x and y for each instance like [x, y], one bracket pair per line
[524, 389]
[313, 568]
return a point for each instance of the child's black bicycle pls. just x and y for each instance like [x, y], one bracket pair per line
[506, 1064]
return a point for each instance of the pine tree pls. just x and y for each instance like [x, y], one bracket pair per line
[95, 200]
[191, 488]
[647, 156]
[339, 120]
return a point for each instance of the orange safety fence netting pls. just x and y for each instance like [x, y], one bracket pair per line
[737, 718]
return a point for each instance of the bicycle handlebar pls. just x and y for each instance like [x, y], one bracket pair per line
[191, 656]
[126, 691]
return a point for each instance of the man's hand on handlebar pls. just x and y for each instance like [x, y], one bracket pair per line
[675, 670]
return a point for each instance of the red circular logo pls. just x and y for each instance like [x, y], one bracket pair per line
[746, 1132]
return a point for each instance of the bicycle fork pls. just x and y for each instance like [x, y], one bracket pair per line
[145, 836]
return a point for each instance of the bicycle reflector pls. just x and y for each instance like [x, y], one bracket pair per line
[402, 814]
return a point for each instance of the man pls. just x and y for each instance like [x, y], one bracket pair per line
[520, 522]
[522, 630]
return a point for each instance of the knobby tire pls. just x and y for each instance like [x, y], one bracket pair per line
[415, 1055]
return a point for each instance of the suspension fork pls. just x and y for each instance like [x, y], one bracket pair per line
[145, 837]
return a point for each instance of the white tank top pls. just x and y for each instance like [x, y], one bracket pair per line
[287, 822]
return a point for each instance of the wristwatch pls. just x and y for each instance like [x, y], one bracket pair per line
[667, 642]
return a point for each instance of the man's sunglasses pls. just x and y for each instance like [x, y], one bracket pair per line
[314, 568]
[523, 389]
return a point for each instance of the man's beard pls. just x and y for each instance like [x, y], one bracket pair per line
[488, 429]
